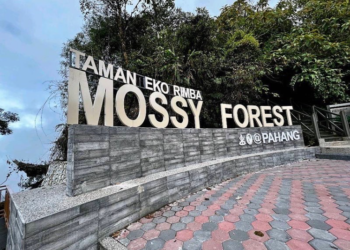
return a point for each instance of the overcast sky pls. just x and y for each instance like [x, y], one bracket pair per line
[32, 34]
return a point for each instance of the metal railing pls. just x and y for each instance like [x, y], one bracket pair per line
[318, 122]
[5, 203]
[301, 119]
[330, 122]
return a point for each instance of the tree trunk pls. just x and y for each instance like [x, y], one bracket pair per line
[121, 33]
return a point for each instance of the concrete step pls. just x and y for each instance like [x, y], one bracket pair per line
[336, 150]
[336, 143]
[333, 139]
[333, 157]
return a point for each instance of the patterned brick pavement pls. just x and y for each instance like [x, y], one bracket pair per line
[302, 206]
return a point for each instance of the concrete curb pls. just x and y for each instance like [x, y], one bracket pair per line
[333, 157]
[109, 243]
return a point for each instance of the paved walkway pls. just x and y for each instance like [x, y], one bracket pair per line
[302, 206]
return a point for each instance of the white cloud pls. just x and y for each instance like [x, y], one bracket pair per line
[9, 101]
[28, 121]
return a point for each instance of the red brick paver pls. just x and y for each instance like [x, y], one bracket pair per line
[302, 206]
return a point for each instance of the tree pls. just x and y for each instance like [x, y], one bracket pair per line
[35, 172]
[304, 45]
[5, 119]
[252, 52]
[117, 13]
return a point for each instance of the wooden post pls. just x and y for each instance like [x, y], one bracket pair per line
[344, 120]
[315, 124]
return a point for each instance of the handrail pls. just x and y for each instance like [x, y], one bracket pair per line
[301, 113]
[311, 132]
[313, 118]
[299, 103]
[335, 125]
[302, 106]
[325, 110]
[338, 132]
[328, 119]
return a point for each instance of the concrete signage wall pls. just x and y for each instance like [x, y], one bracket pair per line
[101, 156]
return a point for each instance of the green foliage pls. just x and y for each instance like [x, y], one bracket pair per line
[5, 119]
[35, 173]
[251, 52]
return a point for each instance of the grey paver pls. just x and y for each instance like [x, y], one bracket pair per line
[281, 211]
[311, 199]
[232, 245]
[247, 217]
[159, 220]
[187, 219]
[178, 226]
[254, 205]
[318, 224]
[194, 213]
[201, 208]
[314, 216]
[207, 203]
[314, 210]
[346, 214]
[322, 245]
[281, 217]
[201, 235]
[209, 226]
[282, 205]
[124, 241]
[311, 204]
[135, 234]
[167, 234]
[239, 235]
[176, 208]
[184, 204]
[243, 226]
[155, 244]
[227, 207]
[279, 225]
[169, 213]
[216, 218]
[321, 234]
[275, 245]
[343, 203]
[279, 235]
[148, 226]
[251, 211]
[344, 208]
[231, 202]
[192, 244]
[222, 212]
[341, 198]
[192, 198]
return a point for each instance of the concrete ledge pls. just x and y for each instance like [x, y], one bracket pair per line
[336, 150]
[109, 243]
[46, 218]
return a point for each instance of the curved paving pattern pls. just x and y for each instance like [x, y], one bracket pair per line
[305, 205]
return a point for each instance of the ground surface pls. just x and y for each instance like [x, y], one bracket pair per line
[302, 206]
